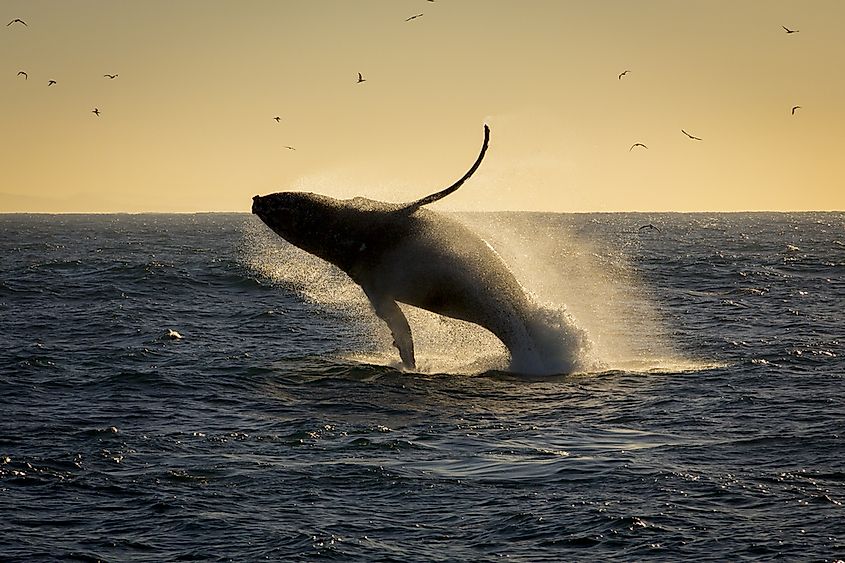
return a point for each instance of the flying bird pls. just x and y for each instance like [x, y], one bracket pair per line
[96, 112]
[795, 108]
[16, 20]
[637, 145]
[786, 29]
[50, 83]
[649, 227]
[278, 119]
[414, 17]
[694, 138]
[289, 148]
[25, 75]
[360, 79]
[110, 76]
[623, 73]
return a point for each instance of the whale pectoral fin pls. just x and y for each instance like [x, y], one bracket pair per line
[410, 208]
[388, 311]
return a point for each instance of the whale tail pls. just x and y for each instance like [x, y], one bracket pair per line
[413, 206]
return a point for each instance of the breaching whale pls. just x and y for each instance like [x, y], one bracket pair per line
[407, 254]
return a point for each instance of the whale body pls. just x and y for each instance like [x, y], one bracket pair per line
[407, 254]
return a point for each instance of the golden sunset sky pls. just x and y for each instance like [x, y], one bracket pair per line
[188, 123]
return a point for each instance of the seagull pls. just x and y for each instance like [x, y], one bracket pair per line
[637, 145]
[414, 17]
[50, 83]
[650, 227]
[786, 29]
[173, 335]
[110, 76]
[16, 20]
[690, 136]
[96, 111]
[289, 148]
[278, 119]
[360, 79]
[795, 108]
[25, 75]
[623, 73]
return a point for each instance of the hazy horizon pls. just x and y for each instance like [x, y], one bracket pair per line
[457, 211]
[188, 123]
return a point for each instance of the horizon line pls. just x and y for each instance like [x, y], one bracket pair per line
[606, 212]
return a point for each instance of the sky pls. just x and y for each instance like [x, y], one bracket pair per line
[188, 124]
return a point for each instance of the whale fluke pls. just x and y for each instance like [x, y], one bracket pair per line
[413, 206]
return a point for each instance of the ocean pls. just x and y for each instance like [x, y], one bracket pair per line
[191, 387]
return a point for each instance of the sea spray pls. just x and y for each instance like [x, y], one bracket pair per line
[590, 312]
[584, 268]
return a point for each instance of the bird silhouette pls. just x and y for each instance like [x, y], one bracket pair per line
[795, 108]
[650, 227]
[289, 148]
[278, 119]
[786, 29]
[623, 73]
[637, 145]
[96, 112]
[361, 79]
[694, 138]
[110, 76]
[16, 20]
[51, 82]
[414, 17]
[25, 75]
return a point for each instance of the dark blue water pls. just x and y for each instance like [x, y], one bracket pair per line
[278, 427]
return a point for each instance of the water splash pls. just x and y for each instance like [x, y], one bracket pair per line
[560, 345]
[582, 268]
[590, 312]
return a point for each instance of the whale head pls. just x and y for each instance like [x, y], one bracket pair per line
[315, 223]
[297, 217]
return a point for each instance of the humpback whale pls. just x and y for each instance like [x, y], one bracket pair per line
[408, 254]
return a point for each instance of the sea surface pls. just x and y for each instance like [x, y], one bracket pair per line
[274, 421]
